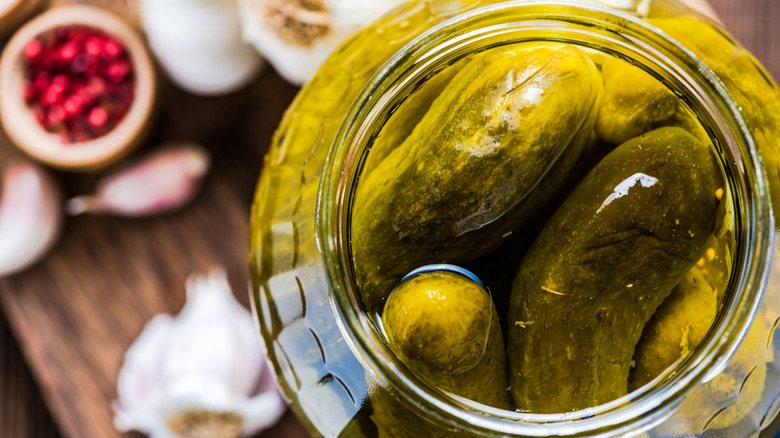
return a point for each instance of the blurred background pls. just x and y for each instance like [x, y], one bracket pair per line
[66, 323]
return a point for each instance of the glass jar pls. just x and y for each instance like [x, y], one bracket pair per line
[327, 351]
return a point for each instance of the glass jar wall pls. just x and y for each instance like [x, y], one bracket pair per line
[328, 352]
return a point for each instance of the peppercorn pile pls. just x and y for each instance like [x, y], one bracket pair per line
[79, 82]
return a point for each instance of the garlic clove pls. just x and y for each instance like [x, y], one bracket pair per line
[296, 37]
[139, 387]
[30, 216]
[200, 373]
[162, 182]
[199, 44]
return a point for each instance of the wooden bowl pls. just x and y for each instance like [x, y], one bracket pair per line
[21, 125]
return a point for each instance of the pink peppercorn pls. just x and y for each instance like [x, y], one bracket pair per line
[69, 70]
[72, 105]
[98, 117]
[33, 50]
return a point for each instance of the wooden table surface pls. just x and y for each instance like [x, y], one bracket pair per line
[121, 272]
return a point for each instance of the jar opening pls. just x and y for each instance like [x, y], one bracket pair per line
[603, 32]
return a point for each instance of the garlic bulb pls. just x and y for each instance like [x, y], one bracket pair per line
[161, 182]
[198, 43]
[296, 36]
[201, 373]
[30, 216]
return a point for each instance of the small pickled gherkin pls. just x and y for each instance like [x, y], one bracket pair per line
[606, 260]
[514, 120]
[444, 328]
[632, 102]
[676, 329]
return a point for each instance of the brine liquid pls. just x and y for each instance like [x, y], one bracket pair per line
[498, 267]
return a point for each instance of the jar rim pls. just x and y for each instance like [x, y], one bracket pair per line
[639, 410]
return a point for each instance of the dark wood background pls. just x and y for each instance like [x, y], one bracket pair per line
[58, 372]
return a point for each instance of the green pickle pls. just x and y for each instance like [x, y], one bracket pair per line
[402, 123]
[445, 328]
[515, 119]
[633, 102]
[579, 303]
[676, 329]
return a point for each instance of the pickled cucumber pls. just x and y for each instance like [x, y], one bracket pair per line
[515, 120]
[445, 328]
[676, 329]
[403, 121]
[605, 261]
[633, 102]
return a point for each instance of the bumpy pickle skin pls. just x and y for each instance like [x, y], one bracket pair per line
[403, 121]
[676, 329]
[632, 102]
[445, 329]
[513, 119]
[606, 260]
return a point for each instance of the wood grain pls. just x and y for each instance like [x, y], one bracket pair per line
[22, 411]
[75, 314]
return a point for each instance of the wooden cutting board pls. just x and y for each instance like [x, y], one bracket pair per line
[76, 313]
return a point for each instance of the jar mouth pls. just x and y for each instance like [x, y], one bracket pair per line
[606, 30]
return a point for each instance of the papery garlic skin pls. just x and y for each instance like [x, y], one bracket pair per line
[207, 362]
[296, 55]
[198, 43]
[161, 182]
[30, 216]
